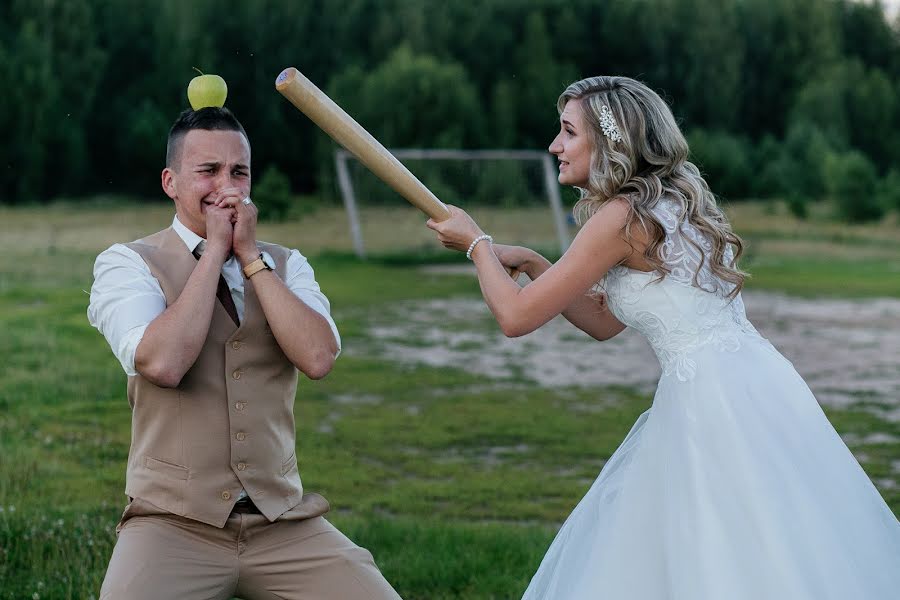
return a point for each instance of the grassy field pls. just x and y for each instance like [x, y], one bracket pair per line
[456, 482]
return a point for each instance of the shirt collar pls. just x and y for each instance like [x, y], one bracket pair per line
[190, 239]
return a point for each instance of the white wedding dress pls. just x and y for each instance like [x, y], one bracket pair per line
[733, 485]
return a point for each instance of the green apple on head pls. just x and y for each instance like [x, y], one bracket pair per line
[206, 90]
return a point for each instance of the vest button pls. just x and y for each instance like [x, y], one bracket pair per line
[236, 345]
[241, 466]
[239, 405]
[239, 436]
[237, 374]
[226, 495]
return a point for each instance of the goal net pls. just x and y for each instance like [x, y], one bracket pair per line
[513, 194]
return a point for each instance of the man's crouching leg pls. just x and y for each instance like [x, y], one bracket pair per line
[305, 559]
[167, 556]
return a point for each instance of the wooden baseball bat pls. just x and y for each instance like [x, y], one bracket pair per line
[332, 119]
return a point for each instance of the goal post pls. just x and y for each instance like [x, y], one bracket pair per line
[546, 161]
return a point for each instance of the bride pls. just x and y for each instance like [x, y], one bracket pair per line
[733, 485]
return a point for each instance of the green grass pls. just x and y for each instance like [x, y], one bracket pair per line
[456, 482]
[823, 277]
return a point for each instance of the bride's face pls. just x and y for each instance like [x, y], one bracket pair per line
[572, 147]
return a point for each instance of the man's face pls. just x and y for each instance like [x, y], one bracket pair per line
[210, 161]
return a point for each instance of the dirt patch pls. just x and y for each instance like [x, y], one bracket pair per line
[847, 350]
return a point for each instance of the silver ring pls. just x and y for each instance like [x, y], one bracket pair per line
[247, 200]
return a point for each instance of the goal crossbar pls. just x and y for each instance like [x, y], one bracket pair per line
[549, 170]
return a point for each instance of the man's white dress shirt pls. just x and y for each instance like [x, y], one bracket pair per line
[126, 297]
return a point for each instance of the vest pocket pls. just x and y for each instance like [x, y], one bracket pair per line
[166, 468]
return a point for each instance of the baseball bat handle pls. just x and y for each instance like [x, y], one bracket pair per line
[343, 129]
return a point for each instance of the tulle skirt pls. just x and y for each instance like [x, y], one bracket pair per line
[733, 486]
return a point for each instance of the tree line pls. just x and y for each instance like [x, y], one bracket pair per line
[786, 98]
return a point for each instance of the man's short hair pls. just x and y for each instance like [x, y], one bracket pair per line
[209, 119]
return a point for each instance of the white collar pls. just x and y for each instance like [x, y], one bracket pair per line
[190, 239]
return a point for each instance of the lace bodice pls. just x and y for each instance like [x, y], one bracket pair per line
[680, 313]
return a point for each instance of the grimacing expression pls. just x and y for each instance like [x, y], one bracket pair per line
[572, 146]
[210, 161]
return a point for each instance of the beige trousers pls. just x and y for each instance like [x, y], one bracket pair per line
[163, 556]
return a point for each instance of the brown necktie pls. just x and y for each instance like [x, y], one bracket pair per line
[223, 293]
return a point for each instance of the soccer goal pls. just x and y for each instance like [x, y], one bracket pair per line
[511, 186]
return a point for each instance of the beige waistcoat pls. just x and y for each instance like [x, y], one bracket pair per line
[229, 425]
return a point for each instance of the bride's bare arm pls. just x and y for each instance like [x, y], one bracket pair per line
[588, 313]
[597, 247]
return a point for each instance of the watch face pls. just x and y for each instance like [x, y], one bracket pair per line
[268, 261]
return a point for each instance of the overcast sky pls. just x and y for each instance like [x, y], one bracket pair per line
[892, 6]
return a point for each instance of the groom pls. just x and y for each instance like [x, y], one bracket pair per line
[211, 326]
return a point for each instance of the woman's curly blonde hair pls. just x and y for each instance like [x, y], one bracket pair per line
[650, 162]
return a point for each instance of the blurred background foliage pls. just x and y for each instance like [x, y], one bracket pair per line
[796, 99]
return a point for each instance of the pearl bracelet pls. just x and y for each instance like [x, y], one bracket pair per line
[483, 236]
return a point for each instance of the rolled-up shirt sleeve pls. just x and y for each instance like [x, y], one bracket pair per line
[125, 298]
[301, 280]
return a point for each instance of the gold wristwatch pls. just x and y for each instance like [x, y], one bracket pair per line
[263, 262]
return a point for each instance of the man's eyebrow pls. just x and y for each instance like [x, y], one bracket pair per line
[218, 164]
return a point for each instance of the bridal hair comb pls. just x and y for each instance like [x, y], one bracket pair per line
[608, 124]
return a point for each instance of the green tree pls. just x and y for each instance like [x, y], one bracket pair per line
[725, 161]
[95, 83]
[853, 106]
[698, 67]
[867, 35]
[873, 110]
[32, 102]
[408, 101]
[539, 82]
[806, 149]
[774, 168]
[889, 190]
[57, 68]
[852, 184]
[793, 168]
[272, 195]
[413, 101]
[787, 43]
[504, 115]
